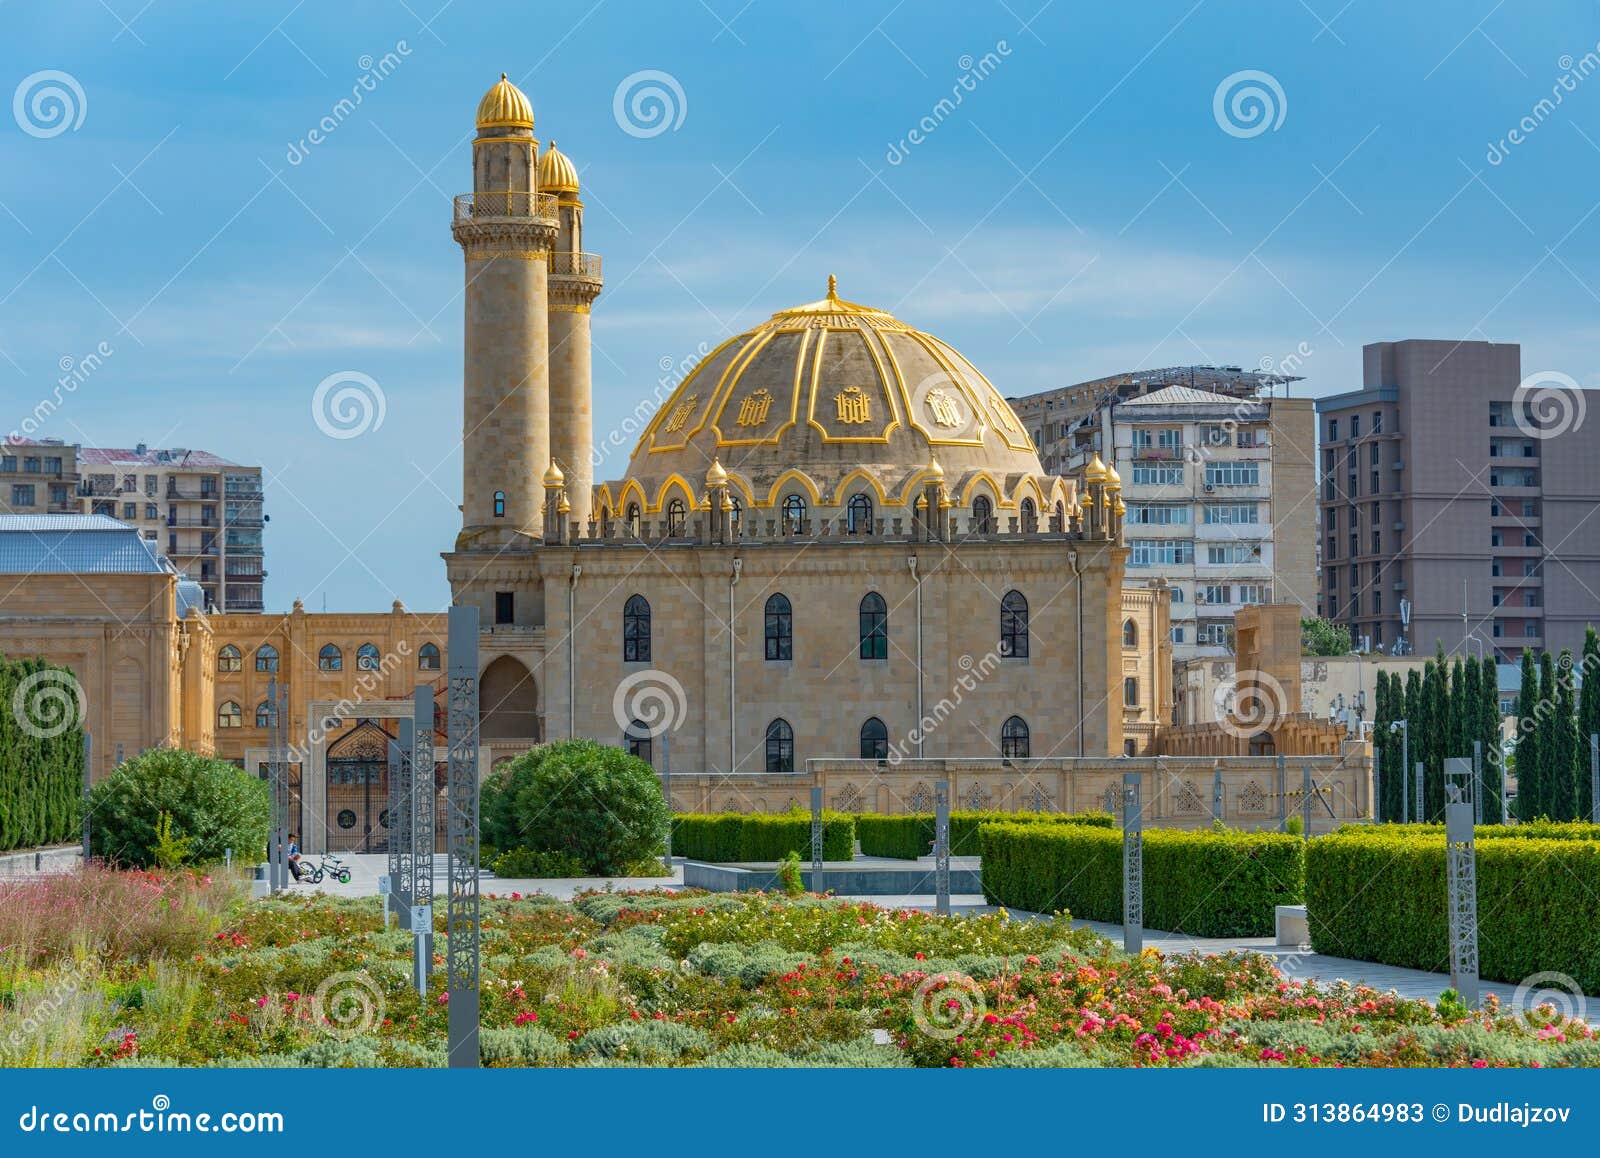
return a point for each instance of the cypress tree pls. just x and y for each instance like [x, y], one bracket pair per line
[1588, 720]
[1564, 746]
[1413, 703]
[1489, 733]
[1382, 745]
[1528, 768]
[1546, 717]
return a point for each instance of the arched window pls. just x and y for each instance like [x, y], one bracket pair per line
[874, 627]
[428, 657]
[330, 658]
[1130, 633]
[1061, 517]
[675, 515]
[367, 657]
[499, 504]
[638, 742]
[266, 658]
[982, 512]
[229, 716]
[229, 659]
[1030, 517]
[636, 629]
[780, 746]
[735, 513]
[858, 515]
[780, 629]
[794, 514]
[1014, 738]
[1130, 692]
[1014, 626]
[264, 714]
[874, 740]
[633, 517]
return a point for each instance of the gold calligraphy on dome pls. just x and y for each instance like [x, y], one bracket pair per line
[753, 410]
[681, 414]
[943, 408]
[854, 407]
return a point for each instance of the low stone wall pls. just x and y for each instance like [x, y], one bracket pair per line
[64, 858]
[1257, 791]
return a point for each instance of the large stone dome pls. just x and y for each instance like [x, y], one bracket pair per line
[827, 400]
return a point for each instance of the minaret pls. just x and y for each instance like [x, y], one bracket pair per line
[574, 284]
[505, 230]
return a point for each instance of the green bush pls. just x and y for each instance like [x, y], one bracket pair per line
[722, 837]
[1380, 896]
[912, 836]
[595, 803]
[530, 864]
[212, 805]
[1206, 883]
[41, 773]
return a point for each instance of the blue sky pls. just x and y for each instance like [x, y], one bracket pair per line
[1082, 210]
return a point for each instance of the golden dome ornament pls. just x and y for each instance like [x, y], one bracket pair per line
[1096, 470]
[557, 173]
[505, 106]
[553, 477]
[716, 476]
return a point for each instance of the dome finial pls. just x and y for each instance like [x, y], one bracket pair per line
[716, 476]
[553, 477]
[505, 106]
[833, 287]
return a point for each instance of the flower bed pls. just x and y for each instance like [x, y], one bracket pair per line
[691, 979]
[912, 836]
[1206, 883]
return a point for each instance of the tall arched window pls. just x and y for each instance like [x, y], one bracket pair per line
[1030, 517]
[1014, 626]
[229, 659]
[266, 658]
[330, 658]
[428, 657]
[229, 716]
[367, 657]
[982, 513]
[858, 515]
[638, 741]
[874, 627]
[794, 514]
[780, 746]
[499, 504]
[675, 517]
[264, 714]
[1061, 518]
[1130, 692]
[874, 740]
[1014, 738]
[780, 628]
[636, 629]
[1130, 633]
[633, 517]
[735, 513]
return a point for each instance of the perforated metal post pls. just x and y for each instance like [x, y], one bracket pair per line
[277, 871]
[1216, 795]
[282, 716]
[88, 777]
[1405, 762]
[400, 827]
[391, 875]
[462, 923]
[423, 795]
[816, 839]
[941, 847]
[1461, 879]
[666, 790]
[1422, 810]
[1477, 781]
[1132, 864]
[1283, 790]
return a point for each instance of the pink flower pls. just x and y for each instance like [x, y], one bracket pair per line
[444, 998]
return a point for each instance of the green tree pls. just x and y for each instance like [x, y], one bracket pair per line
[1488, 733]
[1463, 706]
[1527, 738]
[209, 805]
[1413, 703]
[41, 754]
[1436, 733]
[1546, 716]
[596, 803]
[1383, 746]
[1564, 743]
[1588, 720]
[1324, 637]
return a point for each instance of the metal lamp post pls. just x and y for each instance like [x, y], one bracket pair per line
[1404, 728]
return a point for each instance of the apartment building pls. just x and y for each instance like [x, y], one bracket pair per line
[1456, 503]
[199, 510]
[1220, 492]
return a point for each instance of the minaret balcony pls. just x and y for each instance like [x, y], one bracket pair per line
[505, 205]
[577, 266]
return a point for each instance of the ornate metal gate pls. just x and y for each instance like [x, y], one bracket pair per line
[358, 790]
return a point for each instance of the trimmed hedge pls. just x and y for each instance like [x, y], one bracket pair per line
[41, 755]
[759, 836]
[909, 837]
[1205, 883]
[1380, 896]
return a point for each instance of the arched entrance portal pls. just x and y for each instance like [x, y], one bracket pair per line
[508, 702]
[358, 790]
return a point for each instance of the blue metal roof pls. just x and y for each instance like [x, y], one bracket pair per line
[74, 545]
